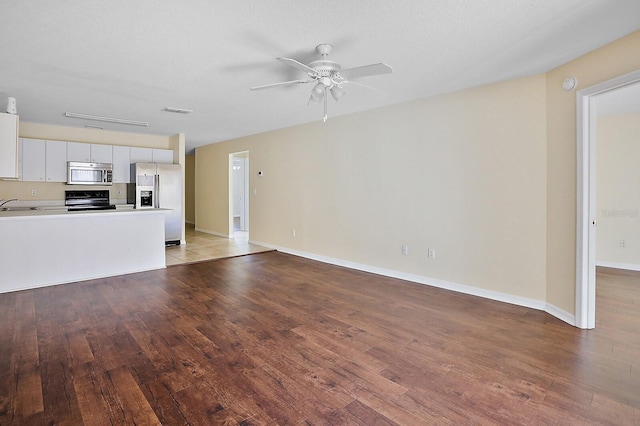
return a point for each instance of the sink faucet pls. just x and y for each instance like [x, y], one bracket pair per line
[3, 202]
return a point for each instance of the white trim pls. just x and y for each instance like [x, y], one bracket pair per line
[560, 314]
[618, 265]
[582, 209]
[447, 285]
[585, 209]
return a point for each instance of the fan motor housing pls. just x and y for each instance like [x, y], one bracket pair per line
[325, 68]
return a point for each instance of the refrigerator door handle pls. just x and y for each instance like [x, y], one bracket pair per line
[157, 197]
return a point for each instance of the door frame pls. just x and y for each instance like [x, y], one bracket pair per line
[586, 196]
[245, 196]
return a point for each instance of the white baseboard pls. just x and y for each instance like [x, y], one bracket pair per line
[618, 265]
[447, 285]
[560, 314]
[190, 222]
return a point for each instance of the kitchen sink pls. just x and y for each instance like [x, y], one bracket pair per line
[17, 209]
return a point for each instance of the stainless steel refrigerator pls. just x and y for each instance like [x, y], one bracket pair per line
[159, 186]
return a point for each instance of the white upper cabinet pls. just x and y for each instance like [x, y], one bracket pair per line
[33, 159]
[101, 153]
[8, 145]
[46, 161]
[43, 161]
[90, 152]
[78, 151]
[141, 155]
[121, 164]
[163, 156]
[56, 161]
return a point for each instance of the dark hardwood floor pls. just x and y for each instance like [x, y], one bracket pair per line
[274, 339]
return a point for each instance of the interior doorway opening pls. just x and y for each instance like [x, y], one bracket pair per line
[586, 190]
[239, 194]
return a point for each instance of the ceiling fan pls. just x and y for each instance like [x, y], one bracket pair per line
[327, 75]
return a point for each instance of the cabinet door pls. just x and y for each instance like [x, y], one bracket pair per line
[33, 160]
[141, 155]
[163, 156]
[78, 151]
[121, 164]
[101, 153]
[56, 161]
[8, 145]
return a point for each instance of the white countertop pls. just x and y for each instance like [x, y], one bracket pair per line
[62, 211]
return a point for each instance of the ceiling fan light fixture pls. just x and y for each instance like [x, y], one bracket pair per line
[317, 93]
[337, 92]
[327, 76]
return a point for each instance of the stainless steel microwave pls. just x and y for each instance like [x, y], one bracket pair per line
[81, 173]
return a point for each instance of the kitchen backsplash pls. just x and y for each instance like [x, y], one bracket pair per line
[49, 193]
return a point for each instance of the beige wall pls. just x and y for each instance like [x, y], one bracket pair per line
[349, 193]
[88, 135]
[618, 58]
[618, 195]
[52, 191]
[464, 174]
[190, 189]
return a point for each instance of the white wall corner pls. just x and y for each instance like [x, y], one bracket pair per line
[217, 234]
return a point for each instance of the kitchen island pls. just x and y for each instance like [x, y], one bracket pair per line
[39, 248]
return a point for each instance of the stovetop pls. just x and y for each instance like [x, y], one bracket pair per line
[88, 199]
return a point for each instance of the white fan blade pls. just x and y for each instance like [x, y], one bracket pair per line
[298, 65]
[284, 83]
[366, 70]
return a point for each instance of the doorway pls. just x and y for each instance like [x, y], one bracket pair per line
[239, 193]
[586, 189]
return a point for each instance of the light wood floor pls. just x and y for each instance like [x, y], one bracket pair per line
[273, 339]
[202, 246]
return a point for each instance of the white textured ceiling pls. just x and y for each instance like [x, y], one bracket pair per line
[130, 59]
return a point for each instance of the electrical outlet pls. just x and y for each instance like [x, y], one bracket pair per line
[34, 192]
[405, 249]
[623, 243]
[293, 233]
[432, 253]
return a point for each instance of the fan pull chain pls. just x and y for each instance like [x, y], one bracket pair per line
[325, 104]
